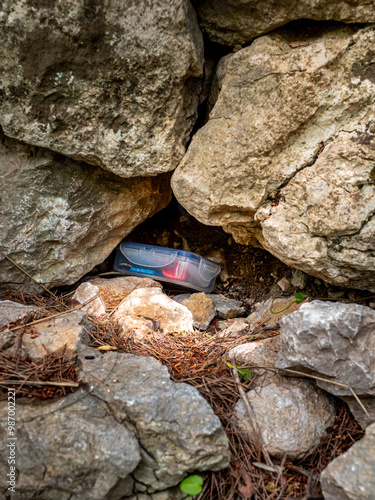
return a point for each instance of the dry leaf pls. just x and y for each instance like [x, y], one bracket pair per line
[246, 489]
[106, 348]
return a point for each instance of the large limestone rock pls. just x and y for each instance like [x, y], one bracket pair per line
[232, 22]
[334, 341]
[64, 333]
[177, 429]
[292, 416]
[72, 448]
[287, 155]
[115, 83]
[351, 475]
[59, 220]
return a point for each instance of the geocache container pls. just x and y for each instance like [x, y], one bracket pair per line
[183, 269]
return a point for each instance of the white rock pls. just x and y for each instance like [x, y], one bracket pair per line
[292, 415]
[108, 292]
[167, 315]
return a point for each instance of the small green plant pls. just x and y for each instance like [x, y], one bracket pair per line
[192, 485]
[299, 297]
[243, 373]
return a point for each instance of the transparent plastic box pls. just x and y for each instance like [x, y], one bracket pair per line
[183, 269]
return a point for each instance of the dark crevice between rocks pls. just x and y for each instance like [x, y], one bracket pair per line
[213, 52]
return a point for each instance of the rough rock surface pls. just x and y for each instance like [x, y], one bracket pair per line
[261, 353]
[357, 411]
[11, 312]
[148, 310]
[263, 317]
[351, 475]
[177, 428]
[52, 336]
[115, 84]
[70, 449]
[233, 22]
[292, 416]
[225, 308]
[109, 292]
[202, 308]
[287, 155]
[333, 340]
[59, 220]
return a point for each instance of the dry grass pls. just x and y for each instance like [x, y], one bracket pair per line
[199, 360]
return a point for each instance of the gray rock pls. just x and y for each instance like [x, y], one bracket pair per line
[284, 284]
[351, 475]
[10, 312]
[357, 410]
[292, 416]
[72, 449]
[115, 84]
[227, 308]
[59, 219]
[299, 279]
[236, 22]
[304, 145]
[335, 341]
[177, 429]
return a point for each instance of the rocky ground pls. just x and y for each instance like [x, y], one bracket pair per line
[158, 368]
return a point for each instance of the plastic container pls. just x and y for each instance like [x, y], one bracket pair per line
[183, 269]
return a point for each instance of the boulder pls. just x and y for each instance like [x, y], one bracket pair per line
[72, 448]
[64, 333]
[147, 310]
[227, 308]
[234, 22]
[177, 429]
[202, 308]
[115, 84]
[351, 475]
[286, 158]
[292, 416]
[109, 292]
[60, 219]
[334, 341]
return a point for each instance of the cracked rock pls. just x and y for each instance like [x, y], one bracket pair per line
[351, 475]
[292, 416]
[177, 429]
[69, 449]
[236, 22]
[64, 333]
[335, 341]
[288, 153]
